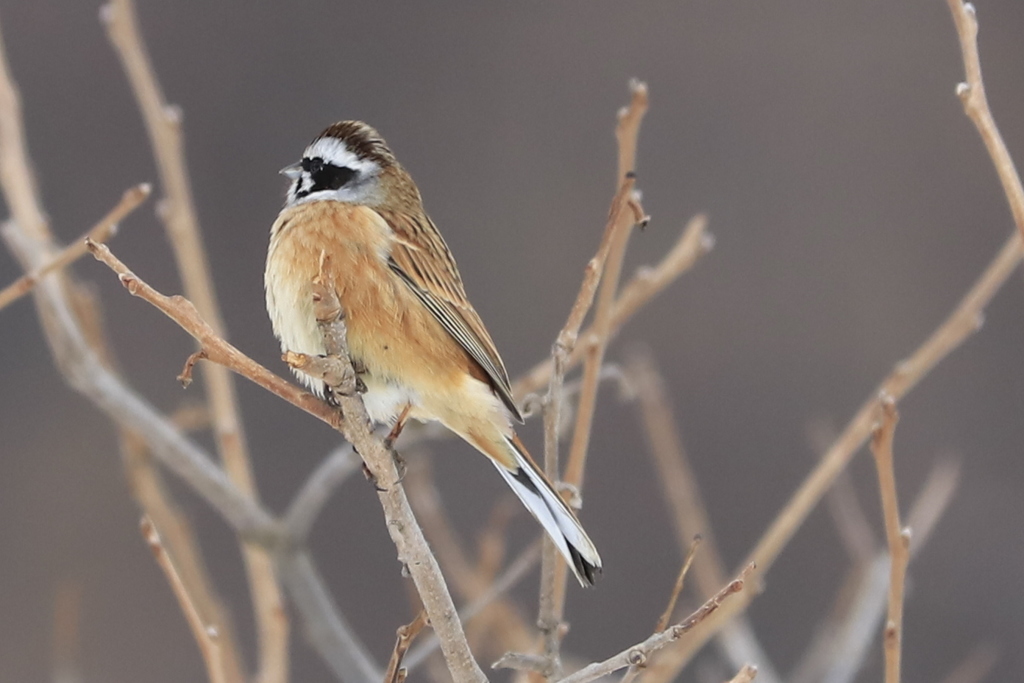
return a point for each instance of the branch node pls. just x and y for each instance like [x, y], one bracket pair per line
[186, 372]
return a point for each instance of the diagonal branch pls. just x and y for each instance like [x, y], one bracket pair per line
[205, 633]
[405, 532]
[177, 209]
[101, 232]
[649, 281]
[638, 654]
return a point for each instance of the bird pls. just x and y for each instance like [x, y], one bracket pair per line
[421, 349]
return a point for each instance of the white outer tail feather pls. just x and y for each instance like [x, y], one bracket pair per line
[554, 515]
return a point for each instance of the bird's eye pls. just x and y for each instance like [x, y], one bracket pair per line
[312, 166]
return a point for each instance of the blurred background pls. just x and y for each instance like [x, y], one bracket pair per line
[851, 200]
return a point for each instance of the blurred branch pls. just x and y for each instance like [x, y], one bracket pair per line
[30, 240]
[839, 656]
[682, 494]
[205, 633]
[314, 494]
[324, 625]
[961, 323]
[101, 232]
[976, 666]
[163, 123]
[846, 512]
[898, 537]
[745, 675]
[67, 617]
[151, 495]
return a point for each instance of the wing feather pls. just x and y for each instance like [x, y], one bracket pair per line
[421, 258]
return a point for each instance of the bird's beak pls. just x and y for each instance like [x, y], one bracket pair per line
[293, 171]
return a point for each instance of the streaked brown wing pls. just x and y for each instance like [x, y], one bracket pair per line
[422, 259]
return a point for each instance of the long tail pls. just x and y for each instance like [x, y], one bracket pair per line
[535, 491]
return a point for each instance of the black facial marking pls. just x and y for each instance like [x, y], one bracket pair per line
[326, 176]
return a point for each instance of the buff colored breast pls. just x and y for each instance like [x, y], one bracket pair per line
[408, 355]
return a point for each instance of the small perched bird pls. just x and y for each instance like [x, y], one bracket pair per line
[422, 350]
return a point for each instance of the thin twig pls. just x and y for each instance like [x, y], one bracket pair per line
[554, 573]
[101, 232]
[961, 324]
[163, 123]
[678, 587]
[206, 634]
[549, 613]
[638, 654]
[855, 628]
[647, 282]
[898, 537]
[972, 94]
[407, 633]
[626, 132]
[682, 494]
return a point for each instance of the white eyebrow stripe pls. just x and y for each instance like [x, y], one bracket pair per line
[334, 151]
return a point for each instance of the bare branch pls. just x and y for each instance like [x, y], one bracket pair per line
[314, 494]
[552, 571]
[101, 232]
[509, 578]
[972, 94]
[976, 666]
[609, 264]
[163, 123]
[678, 587]
[638, 654]
[413, 551]
[67, 617]
[681, 492]
[626, 132]
[839, 656]
[205, 633]
[899, 538]
[648, 282]
[404, 637]
[961, 323]
[324, 625]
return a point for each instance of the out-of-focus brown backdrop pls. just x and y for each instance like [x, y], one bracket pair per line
[852, 204]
